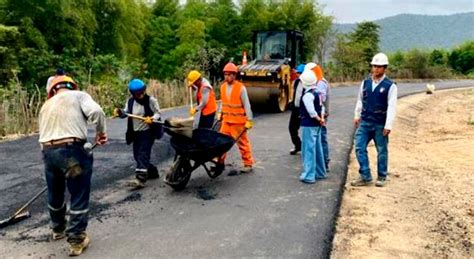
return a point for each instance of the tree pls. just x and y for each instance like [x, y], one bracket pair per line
[416, 61]
[437, 57]
[367, 35]
[120, 29]
[462, 58]
[349, 58]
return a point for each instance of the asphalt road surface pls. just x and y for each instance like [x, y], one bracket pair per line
[268, 213]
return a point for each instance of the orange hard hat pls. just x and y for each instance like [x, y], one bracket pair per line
[66, 80]
[230, 67]
[318, 71]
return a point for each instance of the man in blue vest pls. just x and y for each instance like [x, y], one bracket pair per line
[374, 115]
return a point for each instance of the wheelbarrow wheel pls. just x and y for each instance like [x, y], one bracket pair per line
[216, 170]
[180, 174]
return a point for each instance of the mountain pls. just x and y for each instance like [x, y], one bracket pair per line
[408, 31]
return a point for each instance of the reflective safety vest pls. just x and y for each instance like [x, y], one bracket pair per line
[211, 106]
[232, 108]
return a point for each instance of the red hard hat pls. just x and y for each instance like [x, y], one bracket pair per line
[230, 67]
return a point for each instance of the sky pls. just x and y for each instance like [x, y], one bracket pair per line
[351, 11]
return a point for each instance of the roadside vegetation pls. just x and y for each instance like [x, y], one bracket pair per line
[103, 44]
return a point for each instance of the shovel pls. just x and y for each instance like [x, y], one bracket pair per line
[22, 213]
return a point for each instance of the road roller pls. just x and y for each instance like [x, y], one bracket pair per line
[268, 76]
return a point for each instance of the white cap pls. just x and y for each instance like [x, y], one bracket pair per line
[380, 59]
[308, 78]
[310, 66]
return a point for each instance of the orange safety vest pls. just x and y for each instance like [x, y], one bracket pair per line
[232, 108]
[211, 106]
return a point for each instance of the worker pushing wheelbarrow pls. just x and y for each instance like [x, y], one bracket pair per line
[200, 148]
[209, 146]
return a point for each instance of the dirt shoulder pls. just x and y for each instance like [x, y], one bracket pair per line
[426, 209]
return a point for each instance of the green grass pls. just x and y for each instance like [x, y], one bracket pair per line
[470, 121]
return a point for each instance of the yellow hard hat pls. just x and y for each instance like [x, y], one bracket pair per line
[193, 76]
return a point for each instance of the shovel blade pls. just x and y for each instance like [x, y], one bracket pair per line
[12, 220]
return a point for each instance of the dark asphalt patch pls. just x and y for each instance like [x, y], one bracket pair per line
[136, 196]
[36, 239]
[233, 172]
[206, 193]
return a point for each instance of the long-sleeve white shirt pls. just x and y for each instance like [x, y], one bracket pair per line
[392, 102]
[138, 109]
[308, 101]
[66, 114]
[322, 87]
[298, 94]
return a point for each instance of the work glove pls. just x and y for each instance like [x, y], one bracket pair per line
[248, 124]
[219, 116]
[148, 120]
[192, 111]
[117, 112]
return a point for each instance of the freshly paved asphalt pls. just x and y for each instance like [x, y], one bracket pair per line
[268, 213]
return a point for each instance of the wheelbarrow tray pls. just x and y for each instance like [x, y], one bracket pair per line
[204, 145]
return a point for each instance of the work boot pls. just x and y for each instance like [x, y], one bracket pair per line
[58, 235]
[295, 151]
[246, 169]
[76, 249]
[153, 172]
[361, 182]
[136, 184]
[380, 181]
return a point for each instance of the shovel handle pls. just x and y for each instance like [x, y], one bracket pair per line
[30, 201]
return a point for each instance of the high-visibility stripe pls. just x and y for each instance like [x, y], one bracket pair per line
[54, 209]
[232, 105]
[141, 170]
[78, 212]
[234, 113]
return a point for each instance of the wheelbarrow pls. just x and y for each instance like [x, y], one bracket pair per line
[204, 146]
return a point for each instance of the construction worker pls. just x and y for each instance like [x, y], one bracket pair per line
[312, 118]
[141, 132]
[236, 115]
[205, 112]
[323, 88]
[62, 133]
[294, 124]
[59, 72]
[373, 117]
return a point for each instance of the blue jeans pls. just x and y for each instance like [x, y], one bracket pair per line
[325, 144]
[312, 155]
[365, 133]
[69, 166]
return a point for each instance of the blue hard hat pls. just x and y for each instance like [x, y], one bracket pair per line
[136, 85]
[300, 68]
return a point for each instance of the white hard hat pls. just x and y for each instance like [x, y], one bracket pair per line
[380, 59]
[310, 66]
[308, 78]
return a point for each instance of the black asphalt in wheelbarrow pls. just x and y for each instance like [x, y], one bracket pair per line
[204, 146]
